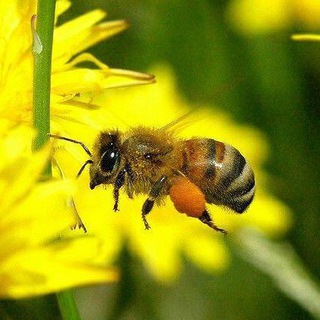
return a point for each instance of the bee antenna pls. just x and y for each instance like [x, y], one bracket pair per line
[83, 166]
[85, 148]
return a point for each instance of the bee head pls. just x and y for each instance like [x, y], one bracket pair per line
[105, 159]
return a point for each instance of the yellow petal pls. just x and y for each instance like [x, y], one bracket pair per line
[81, 33]
[124, 78]
[305, 37]
[61, 7]
[19, 175]
[57, 267]
[103, 31]
[78, 81]
[208, 253]
[76, 27]
[161, 255]
[87, 57]
[37, 218]
[88, 80]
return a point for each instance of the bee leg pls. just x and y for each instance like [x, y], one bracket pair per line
[153, 194]
[78, 222]
[130, 180]
[206, 219]
[146, 208]
[116, 187]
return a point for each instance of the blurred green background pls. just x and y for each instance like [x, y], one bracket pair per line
[276, 83]
[277, 90]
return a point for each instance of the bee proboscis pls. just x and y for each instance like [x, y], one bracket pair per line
[152, 161]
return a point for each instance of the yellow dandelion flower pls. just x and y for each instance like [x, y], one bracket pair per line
[257, 17]
[36, 254]
[172, 233]
[34, 258]
[71, 85]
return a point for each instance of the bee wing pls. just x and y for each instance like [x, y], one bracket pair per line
[180, 123]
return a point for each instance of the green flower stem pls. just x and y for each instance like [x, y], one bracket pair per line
[42, 70]
[67, 305]
[42, 48]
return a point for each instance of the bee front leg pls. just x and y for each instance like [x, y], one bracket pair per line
[153, 194]
[116, 187]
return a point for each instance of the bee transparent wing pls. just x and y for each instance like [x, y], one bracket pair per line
[186, 119]
[181, 122]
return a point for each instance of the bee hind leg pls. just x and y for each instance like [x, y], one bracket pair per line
[206, 219]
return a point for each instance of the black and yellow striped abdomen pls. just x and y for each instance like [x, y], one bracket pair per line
[220, 171]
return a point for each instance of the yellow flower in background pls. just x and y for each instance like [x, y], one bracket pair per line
[69, 82]
[33, 215]
[257, 17]
[305, 37]
[172, 234]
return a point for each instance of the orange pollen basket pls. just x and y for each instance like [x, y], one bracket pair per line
[187, 197]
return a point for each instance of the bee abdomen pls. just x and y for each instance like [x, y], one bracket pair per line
[221, 172]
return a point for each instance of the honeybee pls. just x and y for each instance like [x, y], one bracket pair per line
[155, 162]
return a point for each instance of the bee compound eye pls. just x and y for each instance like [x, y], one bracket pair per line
[110, 160]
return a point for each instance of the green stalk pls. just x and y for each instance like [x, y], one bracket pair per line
[67, 305]
[42, 70]
[42, 49]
